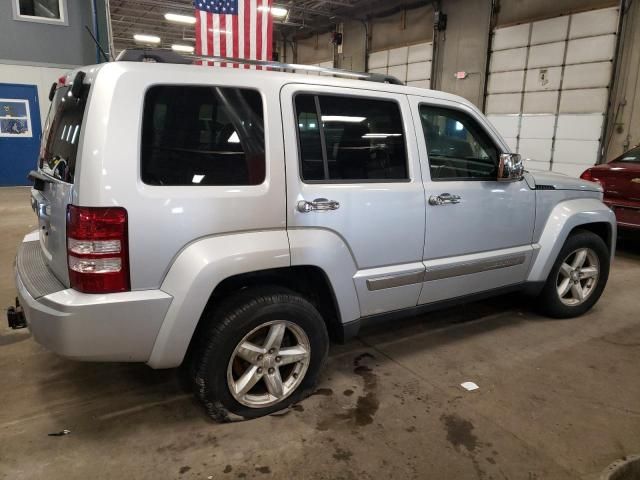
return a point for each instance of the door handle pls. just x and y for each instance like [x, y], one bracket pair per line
[444, 199]
[319, 204]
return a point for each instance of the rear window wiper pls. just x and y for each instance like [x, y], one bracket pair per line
[39, 179]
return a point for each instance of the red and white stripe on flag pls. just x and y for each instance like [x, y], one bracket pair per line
[244, 31]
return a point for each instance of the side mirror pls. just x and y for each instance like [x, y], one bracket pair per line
[510, 167]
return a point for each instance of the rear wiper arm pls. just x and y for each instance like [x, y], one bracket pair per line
[39, 179]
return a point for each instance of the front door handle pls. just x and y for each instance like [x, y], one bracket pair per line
[444, 199]
[319, 204]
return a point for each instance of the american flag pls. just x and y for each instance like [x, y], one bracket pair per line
[234, 28]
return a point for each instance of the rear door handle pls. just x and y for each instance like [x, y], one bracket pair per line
[319, 204]
[444, 199]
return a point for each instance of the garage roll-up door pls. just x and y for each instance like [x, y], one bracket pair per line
[548, 88]
[411, 64]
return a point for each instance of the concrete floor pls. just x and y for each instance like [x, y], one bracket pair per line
[557, 399]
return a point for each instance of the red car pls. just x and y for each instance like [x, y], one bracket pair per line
[620, 179]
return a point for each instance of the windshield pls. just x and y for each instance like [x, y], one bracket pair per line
[62, 133]
[632, 156]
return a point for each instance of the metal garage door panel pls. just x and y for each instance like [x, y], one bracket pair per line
[511, 37]
[398, 56]
[538, 149]
[537, 165]
[588, 100]
[378, 59]
[546, 78]
[504, 103]
[398, 71]
[382, 71]
[551, 30]
[537, 126]
[587, 75]
[548, 55]
[591, 49]
[580, 152]
[511, 59]
[505, 82]
[540, 102]
[420, 52]
[570, 169]
[419, 83]
[595, 22]
[418, 71]
[579, 127]
[507, 125]
[512, 143]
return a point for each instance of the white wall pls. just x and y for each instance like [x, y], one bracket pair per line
[41, 77]
[411, 64]
[548, 87]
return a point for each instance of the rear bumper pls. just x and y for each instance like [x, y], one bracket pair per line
[111, 327]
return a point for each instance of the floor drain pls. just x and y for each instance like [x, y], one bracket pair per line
[627, 468]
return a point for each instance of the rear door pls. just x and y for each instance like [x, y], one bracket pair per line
[57, 164]
[353, 171]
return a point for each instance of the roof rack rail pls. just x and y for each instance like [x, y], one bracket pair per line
[160, 55]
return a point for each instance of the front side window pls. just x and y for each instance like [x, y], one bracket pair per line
[194, 135]
[46, 11]
[458, 148]
[350, 139]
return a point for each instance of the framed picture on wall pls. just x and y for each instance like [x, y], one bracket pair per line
[15, 118]
[42, 11]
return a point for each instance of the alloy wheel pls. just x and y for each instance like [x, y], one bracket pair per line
[268, 364]
[578, 276]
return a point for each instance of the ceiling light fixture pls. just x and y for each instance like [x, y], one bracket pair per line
[278, 12]
[142, 38]
[182, 48]
[174, 17]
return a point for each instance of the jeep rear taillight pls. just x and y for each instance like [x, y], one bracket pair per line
[97, 252]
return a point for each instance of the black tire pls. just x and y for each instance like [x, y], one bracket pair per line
[549, 302]
[228, 325]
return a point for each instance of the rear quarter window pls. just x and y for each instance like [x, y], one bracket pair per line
[201, 135]
[58, 156]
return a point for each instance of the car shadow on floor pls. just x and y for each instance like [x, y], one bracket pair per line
[115, 392]
[628, 245]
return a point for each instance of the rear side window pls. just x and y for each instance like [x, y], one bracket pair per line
[194, 135]
[62, 133]
[350, 139]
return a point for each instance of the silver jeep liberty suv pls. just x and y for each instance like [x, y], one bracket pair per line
[232, 220]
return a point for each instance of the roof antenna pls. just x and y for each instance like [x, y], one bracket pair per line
[104, 55]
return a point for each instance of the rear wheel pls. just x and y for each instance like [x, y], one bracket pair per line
[263, 352]
[578, 277]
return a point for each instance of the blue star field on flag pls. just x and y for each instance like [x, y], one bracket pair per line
[220, 7]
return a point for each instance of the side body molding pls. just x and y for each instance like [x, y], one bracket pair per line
[563, 218]
[196, 272]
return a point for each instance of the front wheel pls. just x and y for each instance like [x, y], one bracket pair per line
[263, 352]
[578, 277]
